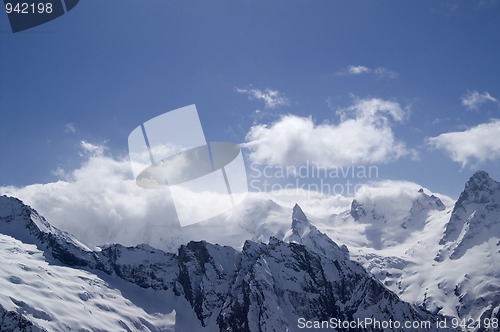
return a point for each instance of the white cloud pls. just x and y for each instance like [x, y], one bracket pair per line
[381, 195]
[356, 70]
[69, 128]
[380, 72]
[383, 72]
[363, 136]
[313, 202]
[99, 202]
[473, 99]
[475, 145]
[270, 97]
[384, 228]
[91, 149]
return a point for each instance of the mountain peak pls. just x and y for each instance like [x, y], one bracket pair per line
[481, 174]
[479, 181]
[298, 214]
[305, 233]
[357, 210]
[15, 217]
[24, 223]
[475, 215]
[478, 189]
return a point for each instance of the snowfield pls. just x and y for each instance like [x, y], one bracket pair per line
[61, 298]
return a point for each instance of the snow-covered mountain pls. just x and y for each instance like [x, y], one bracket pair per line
[443, 255]
[49, 282]
[469, 254]
[52, 282]
[475, 217]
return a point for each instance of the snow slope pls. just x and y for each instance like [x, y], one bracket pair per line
[59, 298]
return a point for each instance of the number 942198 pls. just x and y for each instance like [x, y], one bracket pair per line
[28, 8]
[469, 323]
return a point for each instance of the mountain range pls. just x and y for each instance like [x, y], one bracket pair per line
[416, 258]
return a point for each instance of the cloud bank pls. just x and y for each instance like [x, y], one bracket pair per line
[363, 136]
[99, 202]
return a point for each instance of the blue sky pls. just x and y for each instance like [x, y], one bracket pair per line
[97, 72]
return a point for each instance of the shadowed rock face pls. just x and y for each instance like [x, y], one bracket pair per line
[357, 210]
[13, 321]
